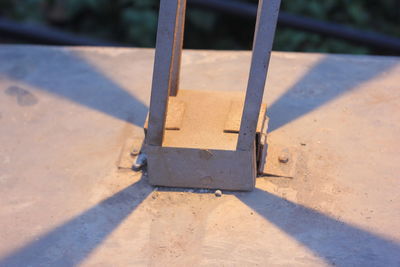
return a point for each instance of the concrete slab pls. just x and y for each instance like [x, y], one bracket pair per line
[66, 112]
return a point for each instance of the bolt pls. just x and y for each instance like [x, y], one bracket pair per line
[283, 159]
[284, 156]
[140, 161]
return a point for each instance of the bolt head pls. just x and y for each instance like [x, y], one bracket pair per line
[283, 158]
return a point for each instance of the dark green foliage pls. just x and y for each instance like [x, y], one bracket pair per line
[134, 22]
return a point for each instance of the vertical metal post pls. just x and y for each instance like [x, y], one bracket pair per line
[176, 65]
[163, 68]
[267, 17]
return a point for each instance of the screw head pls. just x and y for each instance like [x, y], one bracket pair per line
[284, 156]
[283, 159]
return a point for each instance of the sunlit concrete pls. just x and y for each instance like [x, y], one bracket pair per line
[66, 112]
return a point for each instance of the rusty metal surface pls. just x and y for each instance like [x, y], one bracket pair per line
[175, 112]
[203, 121]
[232, 124]
[63, 201]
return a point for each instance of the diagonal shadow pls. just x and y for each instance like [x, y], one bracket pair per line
[70, 243]
[327, 80]
[337, 242]
[68, 75]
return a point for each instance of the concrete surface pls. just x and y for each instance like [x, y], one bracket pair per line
[65, 113]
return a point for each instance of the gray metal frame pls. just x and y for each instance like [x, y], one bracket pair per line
[167, 68]
[267, 17]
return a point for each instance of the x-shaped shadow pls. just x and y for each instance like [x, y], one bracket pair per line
[324, 235]
[333, 240]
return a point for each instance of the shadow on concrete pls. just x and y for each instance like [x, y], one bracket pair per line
[70, 243]
[66, 74]
[327, 80]
[335, 241]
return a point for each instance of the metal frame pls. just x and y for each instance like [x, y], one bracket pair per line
[166, 83]
[167, 68]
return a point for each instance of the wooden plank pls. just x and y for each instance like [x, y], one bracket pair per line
[163, 62]
[267, 16]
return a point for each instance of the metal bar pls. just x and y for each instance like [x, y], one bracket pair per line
[163, 64]
[178, 45]
[267, 17]
[44, 35]
[374, 40]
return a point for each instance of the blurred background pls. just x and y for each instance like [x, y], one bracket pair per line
[333, 26]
